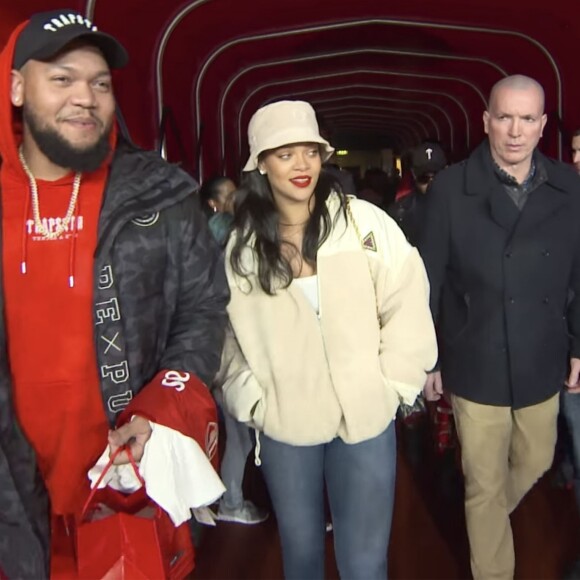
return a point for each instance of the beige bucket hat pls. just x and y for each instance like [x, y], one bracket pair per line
[283, 123]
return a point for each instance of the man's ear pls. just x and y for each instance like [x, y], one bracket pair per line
[544, 120]
[16, 88]
[486, 119]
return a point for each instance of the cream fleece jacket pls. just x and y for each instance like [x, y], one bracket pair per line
[305, 379]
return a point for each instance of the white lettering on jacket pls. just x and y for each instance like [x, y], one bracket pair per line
[175, 380]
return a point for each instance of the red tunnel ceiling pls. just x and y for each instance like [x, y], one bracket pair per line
[377, 71]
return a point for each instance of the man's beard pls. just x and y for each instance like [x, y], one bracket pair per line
[60, 152]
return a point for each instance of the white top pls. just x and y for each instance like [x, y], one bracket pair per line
[309, 285]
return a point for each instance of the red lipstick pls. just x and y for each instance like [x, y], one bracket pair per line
[301, 181]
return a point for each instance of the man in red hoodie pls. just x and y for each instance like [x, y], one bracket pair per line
[112, 289]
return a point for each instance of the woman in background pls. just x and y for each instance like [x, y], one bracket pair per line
[217, 194]
[217, 197]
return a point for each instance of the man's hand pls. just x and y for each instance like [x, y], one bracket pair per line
[433, 388]
[135, 434]
[573, 378]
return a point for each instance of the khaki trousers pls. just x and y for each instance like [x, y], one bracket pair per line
[503, 453]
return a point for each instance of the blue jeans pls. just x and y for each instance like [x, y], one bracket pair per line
[238, 446]
[360, 481]
[570, 407]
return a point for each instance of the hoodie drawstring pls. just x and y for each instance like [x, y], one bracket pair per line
[69, 223]
[72, 243]
[73, 246]
[24, 244]
[257, 460]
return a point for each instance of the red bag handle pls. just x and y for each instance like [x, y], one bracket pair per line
[95, 488]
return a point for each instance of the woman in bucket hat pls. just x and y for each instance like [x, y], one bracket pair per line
[329, 330]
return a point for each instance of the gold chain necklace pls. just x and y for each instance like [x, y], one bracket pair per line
[38, 225]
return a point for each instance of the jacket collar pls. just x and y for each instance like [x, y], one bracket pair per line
[480, 177]
[549, 198]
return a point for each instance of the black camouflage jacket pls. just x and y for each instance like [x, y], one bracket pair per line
[160, 297]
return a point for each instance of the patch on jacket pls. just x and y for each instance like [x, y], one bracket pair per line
[369, 242]
[146, 220]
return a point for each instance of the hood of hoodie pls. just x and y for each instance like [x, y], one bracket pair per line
[10, 126]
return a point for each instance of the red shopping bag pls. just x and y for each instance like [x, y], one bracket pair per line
[121, 536]
[445, 433]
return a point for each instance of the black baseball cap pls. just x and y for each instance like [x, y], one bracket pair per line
[427, 158]
[47, 33]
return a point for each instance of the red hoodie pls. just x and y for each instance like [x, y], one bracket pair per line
[49, 324]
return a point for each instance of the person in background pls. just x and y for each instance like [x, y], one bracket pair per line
[344, 178]
[570, 407]
[329, 330]
[375, 186]
[427, 159]
[113, 291]
[217, 197]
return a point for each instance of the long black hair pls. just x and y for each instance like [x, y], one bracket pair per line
[256, 216]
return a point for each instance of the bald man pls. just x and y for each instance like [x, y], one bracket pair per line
[501, 245]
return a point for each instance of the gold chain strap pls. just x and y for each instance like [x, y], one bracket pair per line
[360, 239]
[354, 224]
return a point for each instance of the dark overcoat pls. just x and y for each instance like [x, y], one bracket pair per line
[505, 283]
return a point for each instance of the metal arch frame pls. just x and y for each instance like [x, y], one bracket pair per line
[382, 72]
[168, 31]
[322, 56]
[177, 18]
[387, 99]
[172, 25]
[164, 40]
[404, 133]
[319, 28]
[391, 22]
[403, 90]
[418, 129]
[393, 109]
[411, 134]
[385, 113]
[386, 21]
[90, 9]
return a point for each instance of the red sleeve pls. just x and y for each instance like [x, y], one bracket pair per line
[180, 401]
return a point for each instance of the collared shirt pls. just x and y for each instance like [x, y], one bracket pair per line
[519, 192]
